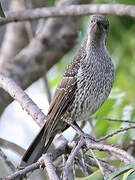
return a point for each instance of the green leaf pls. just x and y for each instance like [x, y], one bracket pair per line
[1, 12]
[121, 171]
[125, 1]
[127, 175]
[95, 176]
[131, 176]
[102, 126]
[51, 2]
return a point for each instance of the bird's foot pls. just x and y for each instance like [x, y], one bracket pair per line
[84, 135]
[80, 132]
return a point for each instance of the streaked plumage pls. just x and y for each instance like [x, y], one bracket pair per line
[85, 85]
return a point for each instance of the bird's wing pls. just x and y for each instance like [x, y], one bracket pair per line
[64, 94]
[62, 99]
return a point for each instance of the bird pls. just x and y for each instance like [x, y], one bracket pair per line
[84, 87]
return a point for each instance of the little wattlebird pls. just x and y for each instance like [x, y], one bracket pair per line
[85, 85]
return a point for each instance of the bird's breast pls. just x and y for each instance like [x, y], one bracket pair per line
[94, 83]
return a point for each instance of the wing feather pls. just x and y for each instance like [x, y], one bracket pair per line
[63, 97]
[64, 94]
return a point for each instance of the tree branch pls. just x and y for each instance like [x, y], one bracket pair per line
[72, 10]
[56, 38]
[102, 170]
[114, 133]
[122, 155]
[61, 149]
[16, 36]
[18, 94]
[23, 172]
[120, 120]
[71, 157]
[24, 100]
[64, 148]
[12, 146]
[7, 161]
[91, 162]
[50, 168]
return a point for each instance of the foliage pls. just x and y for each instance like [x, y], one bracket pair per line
[129, 175]
[96, 175]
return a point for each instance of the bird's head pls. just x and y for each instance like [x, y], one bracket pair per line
[99, 28]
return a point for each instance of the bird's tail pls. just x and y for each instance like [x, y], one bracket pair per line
[36, 149]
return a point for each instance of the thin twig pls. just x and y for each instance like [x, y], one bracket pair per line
[123, 155]
[114, 133]
[12, 146]
[73, 10]
[98, 163]
[88, 169]
[7, 161]
[128, 146]
[23, 172]
[73, 171]
[91, 162]
[71, 158]
[83, 123]
[119, 120]
[83, 163]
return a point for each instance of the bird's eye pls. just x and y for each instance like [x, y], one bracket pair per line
[98, 23]
[105, 27]
[92, 21]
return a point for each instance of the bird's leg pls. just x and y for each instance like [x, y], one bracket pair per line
[80, 132]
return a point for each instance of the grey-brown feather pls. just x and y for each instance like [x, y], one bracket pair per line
[85, 85]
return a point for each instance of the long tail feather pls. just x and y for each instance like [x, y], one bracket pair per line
[36, 149]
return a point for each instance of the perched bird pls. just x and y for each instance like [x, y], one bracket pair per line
[85, 85]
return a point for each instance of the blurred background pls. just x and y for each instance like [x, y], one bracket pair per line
[18, 127]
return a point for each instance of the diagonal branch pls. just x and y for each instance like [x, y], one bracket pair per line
[58, 36]
[7, 161]
[12, 146]
[91, 162]
[114, 133]
[122, 155]
[73, 10]
[23, 172]
[61, 149]
[120, 120]
[71, 157]
[102, 170]
[24, 100]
